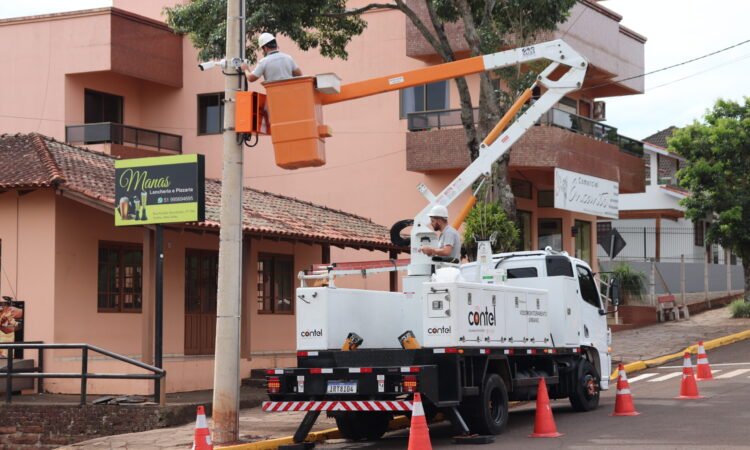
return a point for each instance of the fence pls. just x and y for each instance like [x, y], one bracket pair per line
[664, 244]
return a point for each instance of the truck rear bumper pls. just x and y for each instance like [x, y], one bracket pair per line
[368, 405]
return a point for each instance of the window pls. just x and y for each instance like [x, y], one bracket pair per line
[120, 277]
[588, 287]
[522, 272]
[102, 107]
[523, 222]
[427, 97]
[583, 240]
[558, 266]
[550, 234]
[520, 188]
[698, 233]
[602, 229]
[568, 104]
[545, 199]
[647, 168]
[275, 284]
[210, 113]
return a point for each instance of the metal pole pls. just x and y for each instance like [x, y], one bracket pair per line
[226, 398]
[84, 371]
[645, 255]
[682, 279]
[159, 304]
[652, 282]
[705, 277]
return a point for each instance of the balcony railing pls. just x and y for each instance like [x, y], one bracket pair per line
[422, 121]
[115, 133]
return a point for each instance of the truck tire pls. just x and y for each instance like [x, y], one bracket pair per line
[585, 396]
[362, 426]
[488, 413]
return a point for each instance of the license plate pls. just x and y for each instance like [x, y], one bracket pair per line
[342, 387]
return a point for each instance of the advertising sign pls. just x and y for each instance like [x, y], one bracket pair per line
[162, 189]
[11, 322]
[586, 194]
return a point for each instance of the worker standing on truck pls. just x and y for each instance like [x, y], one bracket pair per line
[449, 242]
[274, 65]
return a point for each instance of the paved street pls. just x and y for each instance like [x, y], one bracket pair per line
[628, 346]
[717, 421]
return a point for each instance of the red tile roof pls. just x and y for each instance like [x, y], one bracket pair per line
[31, 161]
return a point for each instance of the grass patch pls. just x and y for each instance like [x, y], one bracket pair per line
[740, 309]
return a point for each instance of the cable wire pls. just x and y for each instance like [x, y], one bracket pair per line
[668, 67]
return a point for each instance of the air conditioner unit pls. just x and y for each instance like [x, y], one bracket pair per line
[600, 111]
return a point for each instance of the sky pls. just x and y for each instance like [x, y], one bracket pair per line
[677, 31]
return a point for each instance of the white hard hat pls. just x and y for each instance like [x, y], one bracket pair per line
[439, 211]
[265, 38]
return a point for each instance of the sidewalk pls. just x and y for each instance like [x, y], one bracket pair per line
[627, 346]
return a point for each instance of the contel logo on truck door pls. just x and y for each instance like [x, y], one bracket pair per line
[311, 333]
[441, 330]
[483, 319]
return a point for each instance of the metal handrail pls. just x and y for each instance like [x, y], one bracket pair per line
[118, 133]
[157, 375]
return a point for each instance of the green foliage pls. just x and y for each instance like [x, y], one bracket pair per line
[632, 282]
[740, 309]
[485, 219]
[311, 24]
[718, 152]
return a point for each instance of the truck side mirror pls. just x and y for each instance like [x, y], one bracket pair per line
[614, 291]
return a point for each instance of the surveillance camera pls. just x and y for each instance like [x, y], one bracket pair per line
[208, 65]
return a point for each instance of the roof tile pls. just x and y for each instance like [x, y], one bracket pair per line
[36, 161]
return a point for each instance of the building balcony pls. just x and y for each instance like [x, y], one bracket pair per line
[560, 139]
[614, 52]
[123, 140]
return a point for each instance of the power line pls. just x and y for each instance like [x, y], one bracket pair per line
[700, 73]
[669, 67]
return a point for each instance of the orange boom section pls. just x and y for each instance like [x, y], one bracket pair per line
[295, 108]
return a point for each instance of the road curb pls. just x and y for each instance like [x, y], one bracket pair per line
[708, 345]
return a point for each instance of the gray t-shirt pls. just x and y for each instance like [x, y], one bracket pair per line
[450, 236]
[275, 66]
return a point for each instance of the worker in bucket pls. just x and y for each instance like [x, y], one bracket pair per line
[449, 242]
[275, 65]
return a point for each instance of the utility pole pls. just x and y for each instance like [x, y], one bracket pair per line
[226, 398]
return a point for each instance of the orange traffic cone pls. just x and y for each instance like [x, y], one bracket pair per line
[544, 424]
[689, 388]
[202, 440]
[623, 400]
[419, 434]
[703, 370]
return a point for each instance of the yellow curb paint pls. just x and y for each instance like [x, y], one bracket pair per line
[708, 345]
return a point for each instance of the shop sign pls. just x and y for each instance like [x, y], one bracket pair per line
[586, 194]
[162, 189]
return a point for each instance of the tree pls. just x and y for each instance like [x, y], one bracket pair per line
[718, 152]
[329, 25]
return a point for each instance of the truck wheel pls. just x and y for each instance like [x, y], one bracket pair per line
[488, 413]
[585, 396]
[362, 426]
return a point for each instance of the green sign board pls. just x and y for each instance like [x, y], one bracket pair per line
[163, 189]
